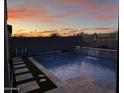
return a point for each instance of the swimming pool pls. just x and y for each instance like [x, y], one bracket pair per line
[71, 65]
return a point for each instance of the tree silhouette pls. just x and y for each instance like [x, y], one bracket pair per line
[55, 35]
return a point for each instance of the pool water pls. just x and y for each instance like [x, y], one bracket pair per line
[68, 66]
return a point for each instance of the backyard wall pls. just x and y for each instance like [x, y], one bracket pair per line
[36, 45]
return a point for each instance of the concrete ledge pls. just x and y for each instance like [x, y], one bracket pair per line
[98, 52]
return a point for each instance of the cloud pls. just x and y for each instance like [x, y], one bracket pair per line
[31, 15]
[105, 28]
[36, 12]
[49, 21]
[36, 15]
[98, 30]
[70, 2]
[68, 14]
[24, 13]
[91, 6]
[103, 18]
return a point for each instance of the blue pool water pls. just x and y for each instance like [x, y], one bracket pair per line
[68, 66]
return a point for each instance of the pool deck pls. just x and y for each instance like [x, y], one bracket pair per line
[81, 84]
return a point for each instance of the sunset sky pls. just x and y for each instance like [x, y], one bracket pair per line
[66, 17]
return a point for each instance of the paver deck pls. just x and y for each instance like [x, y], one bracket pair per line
[16, 57]
[19, 65]
[26, 80]
[81, 85]
[23, 77]
[18, 62]
[27, 87]
[86, 85]
[21, 70]
[58, 90]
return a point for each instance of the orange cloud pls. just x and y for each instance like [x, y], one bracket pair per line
[30, 14]
[105, 28]
[24, 13]
[36, 15]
